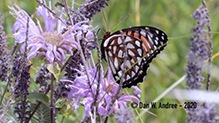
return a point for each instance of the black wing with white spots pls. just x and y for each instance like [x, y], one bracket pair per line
[143, 44]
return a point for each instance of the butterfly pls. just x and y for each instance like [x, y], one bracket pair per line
[142, 44]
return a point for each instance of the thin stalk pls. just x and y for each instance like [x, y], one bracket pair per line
[210, 51]
[5, 90]
[51, 100]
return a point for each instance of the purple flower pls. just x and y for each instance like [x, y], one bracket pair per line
[202, 114]
[123, 115]
[21, 75]
[51, 42]
[42, 78]
[205, 113]
[89, 9]
[5, 56]
[137, 91]
[82, 91]
[22, 82]
[199, 51]
[71, 72]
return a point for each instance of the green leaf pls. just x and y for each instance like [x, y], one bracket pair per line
[41, 97]
[42, 114]
[60, 102]
[10, 116]
[65, 108]
[55, 70]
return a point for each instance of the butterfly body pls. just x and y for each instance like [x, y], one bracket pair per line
[143, 43]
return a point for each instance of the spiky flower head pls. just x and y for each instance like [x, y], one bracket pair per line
[124, 115]
[88, 10]
[21, 85]
[199, 51]
[50, 43]
[202, 114]
[4, 54]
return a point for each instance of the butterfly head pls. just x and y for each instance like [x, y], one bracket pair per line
[106, 35]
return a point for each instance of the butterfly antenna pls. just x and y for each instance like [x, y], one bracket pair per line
[100, 29]
[121, 21]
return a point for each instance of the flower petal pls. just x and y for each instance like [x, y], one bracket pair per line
[62, 52]
[89, 35]
[137, 91]
[32, 53]
[50, 56]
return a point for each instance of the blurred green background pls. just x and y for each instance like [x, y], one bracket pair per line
[171, 16]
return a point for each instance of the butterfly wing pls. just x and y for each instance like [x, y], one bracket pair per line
[143, 44]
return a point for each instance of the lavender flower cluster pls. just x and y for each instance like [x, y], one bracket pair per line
[199, 51]
[4, 54]
[90, 8]
[43, 78]
[65, 40]
[203, 114]
[22, 82]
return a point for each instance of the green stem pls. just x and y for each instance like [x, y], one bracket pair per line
[6, 88]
